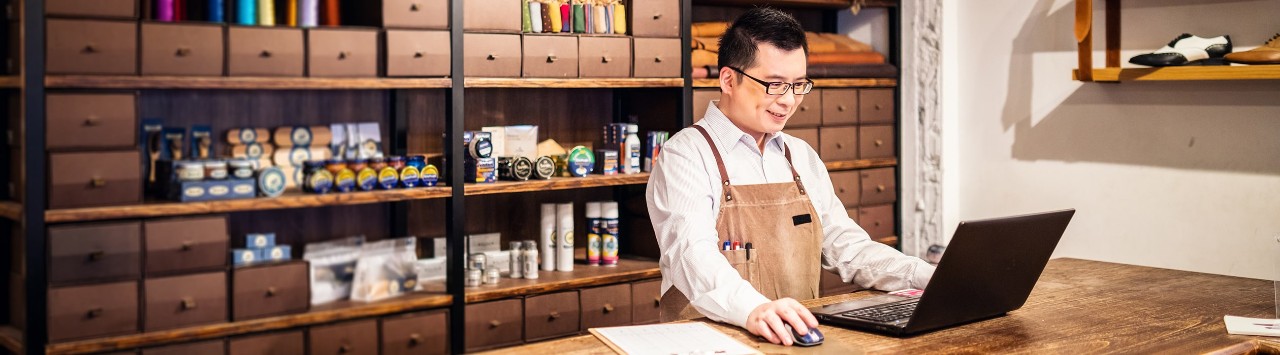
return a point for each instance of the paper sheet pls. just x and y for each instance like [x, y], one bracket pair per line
[667, 339]
[1252, 326]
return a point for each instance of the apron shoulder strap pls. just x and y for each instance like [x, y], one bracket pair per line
[786, 150]
[724, 175]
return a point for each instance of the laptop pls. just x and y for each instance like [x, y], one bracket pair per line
[989, 269]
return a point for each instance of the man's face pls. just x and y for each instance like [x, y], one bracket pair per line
[746, 102]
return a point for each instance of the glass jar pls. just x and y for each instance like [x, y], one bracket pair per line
[418, 162]
[215, 169]
[316, 178]
[189, 170]
[241, 168]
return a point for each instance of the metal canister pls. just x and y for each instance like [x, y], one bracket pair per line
[478, 261]
[474, 277]
[544, 168]
[491, 276]
[517, 260]
[514, 168]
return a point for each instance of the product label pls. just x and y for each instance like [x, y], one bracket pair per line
[243, 189]
[367, 179]
[299, 155]
[544, 168]
[301, 136]
[430, 176]
[194, 191]
[345, 181]
[271, 182]
[593, 249]
[320, 182]
[253, 151]
[249, 135]
[409, 176]
[388, 178]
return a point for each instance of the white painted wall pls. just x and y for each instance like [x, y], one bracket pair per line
[1182, 175]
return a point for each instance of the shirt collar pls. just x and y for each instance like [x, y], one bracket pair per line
[728, 134]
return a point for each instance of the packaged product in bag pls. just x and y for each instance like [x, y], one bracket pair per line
[386, 269]
[333, 267]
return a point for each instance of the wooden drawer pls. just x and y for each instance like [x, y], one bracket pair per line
[494, 324]
[269, 290]
[181, 301]
[809, 112]
[808, 135]
[830, 284]
[606, 306]
[839, 106]
[186, 244]
[878, 186]
[418, 53]
[876, 220]
[875, 142]
[213, 347]
[701, 100]
[846, 186]
[94, 179]
[93, 311]
[644, 301]
[550, 57]
[551, 315]
[657, 57]
[91, 120]
[91, 47]
[655, 18]
[342, 53]
[424, 333]
[268, 344]
[186, 49]
[491, 15]
[432, 14]
[875, 106]
[604, 57]
[351, 338]
[838, 143]
[264, 51]
[123, 9]
[491, 55]
[95, 252]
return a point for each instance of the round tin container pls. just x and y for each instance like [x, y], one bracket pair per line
[271, 181]
[480, 147]
[474, 277]
[514, 168]
[317, 179]
[544, 168]
[580, 161]
[215, 169]
[241, 169]
[190, 170]
[429, 176]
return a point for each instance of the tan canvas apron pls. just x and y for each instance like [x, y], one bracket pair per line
[783, 229]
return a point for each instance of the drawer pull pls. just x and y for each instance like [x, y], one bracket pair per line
[657, 59]
[97, 182]
[97, 255]
[605, 59]
[89, 48]
[413, 7]
[554, 315]
[879, 142]
[608, 308]
[840, 108]
[492, 57]
[839, 146]
[417, 54]
[877, 223]
[551, 59]
[92, 121]
[877, 106]
[657, 16]
[415, 339]
[344, 349]
[94, 313]
[880, 188]
[186, 245]
[343, 55]
[841, 189]
[804, 108]
[182, 52]
[657, 302]
[188, 303]
[265, 54]
[271, 291]
[494, 324]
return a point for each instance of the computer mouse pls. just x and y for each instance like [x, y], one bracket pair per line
[814, 337]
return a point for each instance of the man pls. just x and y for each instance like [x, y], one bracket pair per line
[734, 176]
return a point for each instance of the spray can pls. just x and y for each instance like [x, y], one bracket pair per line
[593, 233]
[548, 237]
[564, 244]
[517, 264]
[530, 258]
[609, 234]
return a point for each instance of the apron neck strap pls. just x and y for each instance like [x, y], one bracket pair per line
[786, 150]
[724, 174]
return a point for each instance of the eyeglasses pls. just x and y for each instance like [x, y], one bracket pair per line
[780, 88]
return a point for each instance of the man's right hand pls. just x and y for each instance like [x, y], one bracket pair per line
[767, 320]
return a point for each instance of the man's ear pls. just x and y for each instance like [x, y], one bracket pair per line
[726, 79]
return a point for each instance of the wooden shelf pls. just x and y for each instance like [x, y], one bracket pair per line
[582, 276]
[1232, 72]
[262, 83]
[10, 82]
[822, 83]
[861, 164]
[10, 210]
[827, 4]
[333, 312]
[503, 187]
[890, 241]
[11, 339]
[573, 83]
[289, 200]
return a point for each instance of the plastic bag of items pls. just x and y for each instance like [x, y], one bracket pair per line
[386, 269]
[333, 268]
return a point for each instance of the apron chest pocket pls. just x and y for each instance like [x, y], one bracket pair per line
[746, 266]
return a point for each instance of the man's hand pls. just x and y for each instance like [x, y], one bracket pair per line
[767, 320]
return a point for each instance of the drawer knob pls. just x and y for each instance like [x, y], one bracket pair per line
[186, 245]
[97, 255]
[657, 16]
[839, 146]
[492, 57]
[271, 291]
[551, 59]
[554, 315]
[657, 59]
[417, 54]
[415, 339]
[877, 223]
[97, 182]
[182, 52]
[605, 59]
[840, 108]
[804, 108]
[343, 55]
[842, 189]
[877, 106]
[344, 349]
[265, 54]
[657, 301]
[188, 303]
[879, 142]
[92, 121]
[413, 7]
[608, 308]
[494, 324]
[880, 188]
[94, 313]
[89, 48]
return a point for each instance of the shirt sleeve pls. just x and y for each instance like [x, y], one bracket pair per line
[848, 250]
[681, 198]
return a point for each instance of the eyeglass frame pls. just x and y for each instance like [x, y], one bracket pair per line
[789, 86]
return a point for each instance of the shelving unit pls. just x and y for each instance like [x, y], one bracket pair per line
[239, 83]
[839, 165]
[572, 83]
[582, 276]
[1113, 73]
[823, 83]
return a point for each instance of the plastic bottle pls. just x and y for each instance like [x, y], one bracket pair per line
[633, 149]
[609, 234]
[548, 237]
[564, 244]
[593, 233]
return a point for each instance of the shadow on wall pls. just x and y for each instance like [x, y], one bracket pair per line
[1224, 126]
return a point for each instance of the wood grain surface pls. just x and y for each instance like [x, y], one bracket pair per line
[502, 187]
[1232, 72]
[338, 311]
[827, 4]
[861, 164]
[10, 81]
[215, 82]
[10, 210]
[1078, 307]
[628, 270]
[568, 83]
[289, 200]
[823, 83]
[11, 339]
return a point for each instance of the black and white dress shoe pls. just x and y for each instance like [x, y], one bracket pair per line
[1188, 50]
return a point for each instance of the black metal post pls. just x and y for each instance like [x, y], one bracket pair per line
[35, 331]
[686, 64]
[455, 206]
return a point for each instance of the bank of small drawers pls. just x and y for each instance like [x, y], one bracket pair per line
[509, 322]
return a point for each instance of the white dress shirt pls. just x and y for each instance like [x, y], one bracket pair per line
[683, 200]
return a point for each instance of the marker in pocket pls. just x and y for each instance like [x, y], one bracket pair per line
[725, 246]
[748, 247]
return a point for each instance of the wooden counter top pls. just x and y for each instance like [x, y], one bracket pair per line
[1078, 306]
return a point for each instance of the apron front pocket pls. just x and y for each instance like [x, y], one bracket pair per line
[745, 266]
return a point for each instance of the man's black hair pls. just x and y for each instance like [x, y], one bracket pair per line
[741, 41]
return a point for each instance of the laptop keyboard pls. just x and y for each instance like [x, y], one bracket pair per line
[884, 312]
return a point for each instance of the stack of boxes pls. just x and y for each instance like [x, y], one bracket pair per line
[260, 247]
